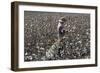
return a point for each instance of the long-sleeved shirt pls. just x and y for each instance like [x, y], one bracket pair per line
[61, 29]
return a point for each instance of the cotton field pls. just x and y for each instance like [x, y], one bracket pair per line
[41, 40]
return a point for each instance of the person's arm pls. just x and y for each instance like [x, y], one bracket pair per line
[65, 28]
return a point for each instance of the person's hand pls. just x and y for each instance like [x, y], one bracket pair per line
[63, 31]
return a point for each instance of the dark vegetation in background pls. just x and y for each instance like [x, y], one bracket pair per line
[40, 33]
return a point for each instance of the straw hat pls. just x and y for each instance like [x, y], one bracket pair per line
[62, 19]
